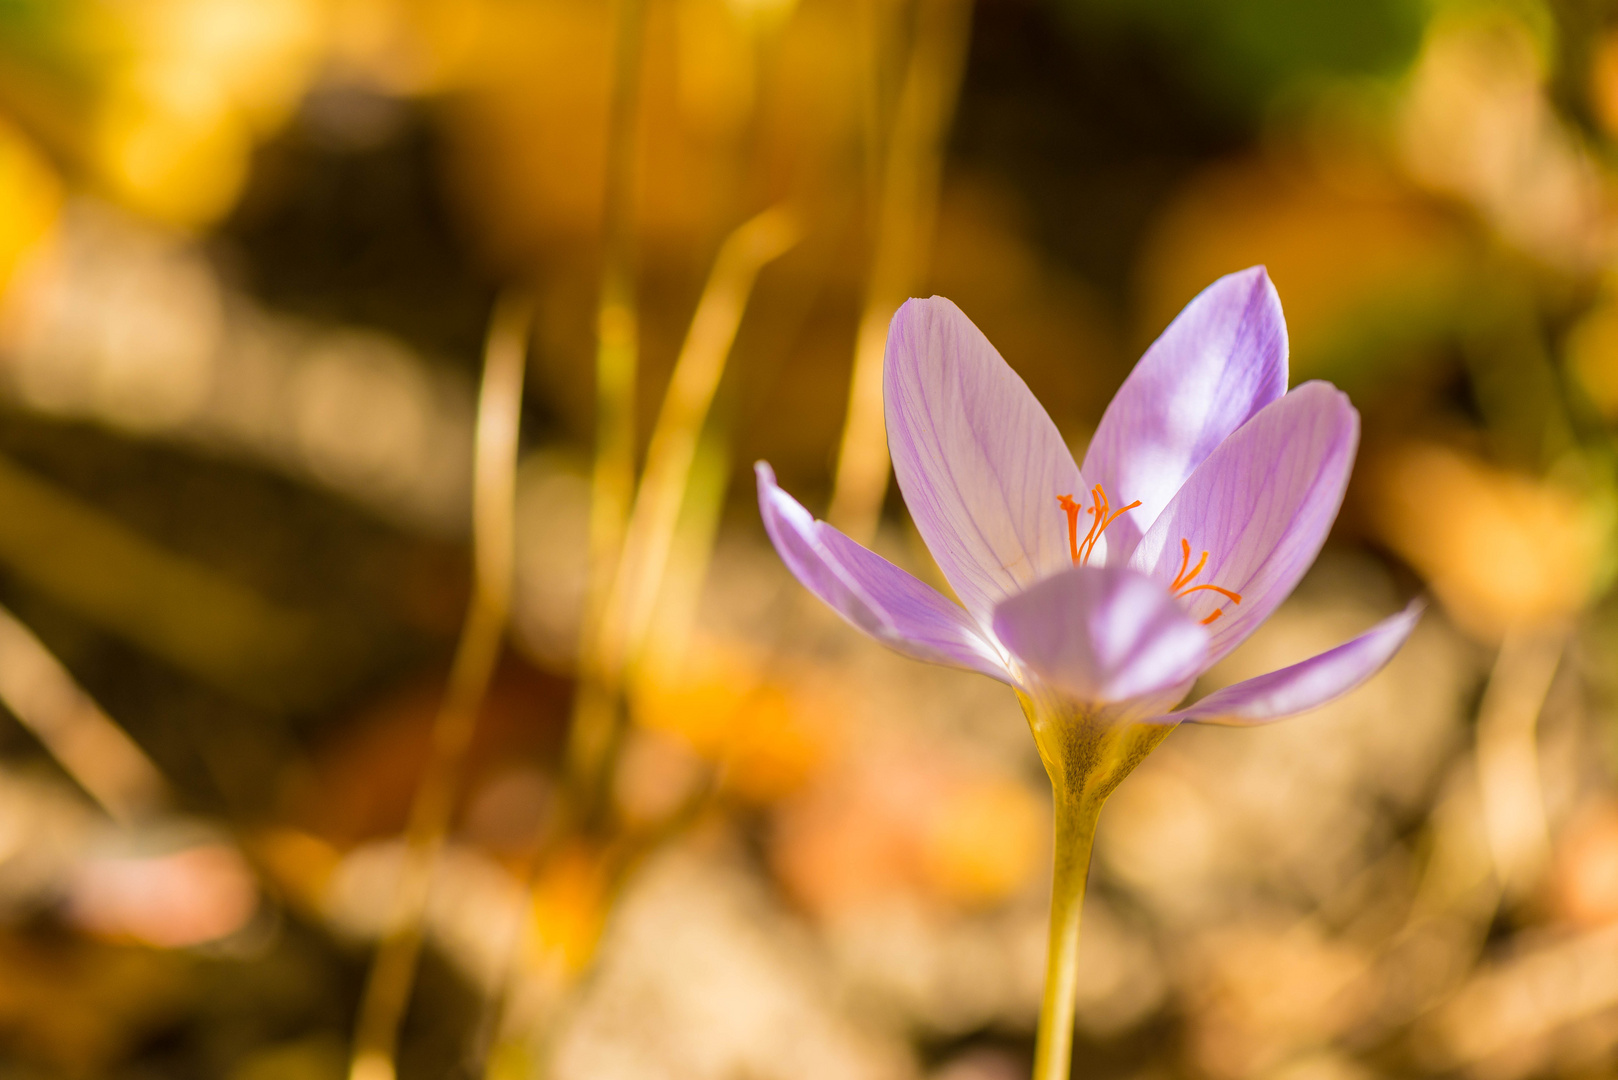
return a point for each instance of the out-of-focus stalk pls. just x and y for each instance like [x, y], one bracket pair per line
[387, 991]
[93, 750]
[675, 512]
[910, 185]
[673, 617]
[1513, 801]
[595, 708]
[673, 447]
[624, 617]
[171, 606]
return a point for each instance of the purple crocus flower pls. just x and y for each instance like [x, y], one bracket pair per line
[1090, 605]
[1101, 595]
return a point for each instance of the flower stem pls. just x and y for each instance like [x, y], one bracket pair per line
[1075, 833]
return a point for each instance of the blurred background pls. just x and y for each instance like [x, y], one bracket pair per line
[275, 275]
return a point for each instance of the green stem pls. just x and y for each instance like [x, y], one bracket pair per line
[1075, 833]
[1086, 754]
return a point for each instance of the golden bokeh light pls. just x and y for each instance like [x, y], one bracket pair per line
[1500, 549]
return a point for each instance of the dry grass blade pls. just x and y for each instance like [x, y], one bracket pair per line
[673, 446]
[617, 321]
[170, 606]
[387, 991]
[675, 510]
[93, 749]
[612, 483]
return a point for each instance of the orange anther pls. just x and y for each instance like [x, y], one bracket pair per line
[1216, 613]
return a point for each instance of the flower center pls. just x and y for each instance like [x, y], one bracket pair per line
[1101, 514]
[1182, 581]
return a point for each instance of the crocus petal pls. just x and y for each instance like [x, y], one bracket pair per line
[1101, 634]
[1307, 685]
[894, 607]
[1261, 505]
[979, 462]
[1220, 361]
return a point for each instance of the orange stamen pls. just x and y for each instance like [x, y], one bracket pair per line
[1102, 516]
[1182, 587]
[1116, 514]
[1233, 597]
[1072, 509]
[1183, 578]
[1098, 501]
[1098, 510]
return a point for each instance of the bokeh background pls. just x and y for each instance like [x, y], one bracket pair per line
[250, 253]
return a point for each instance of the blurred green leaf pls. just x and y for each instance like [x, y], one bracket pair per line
[1246, 51]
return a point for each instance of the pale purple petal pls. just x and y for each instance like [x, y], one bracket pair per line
[1220, 361]
[892, 606]
[1307, 685]
[1261, 505]
[978, 460]
[1102, 634]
